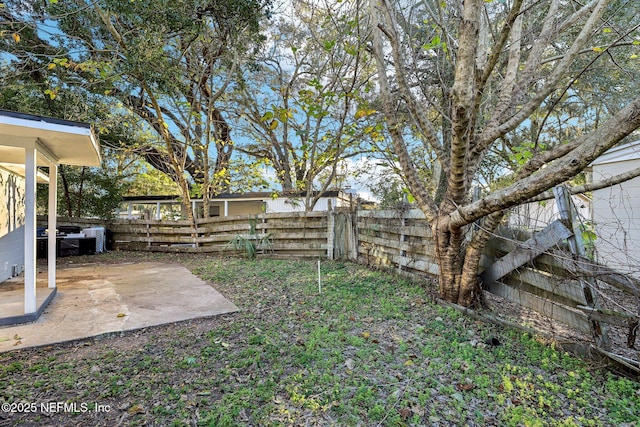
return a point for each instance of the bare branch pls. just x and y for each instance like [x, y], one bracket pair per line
[496, 131]
[416, 186]
[587, 150]
[593, 186]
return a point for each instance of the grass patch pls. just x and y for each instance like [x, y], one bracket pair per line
[370, 350]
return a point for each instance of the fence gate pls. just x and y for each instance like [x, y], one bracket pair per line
[345, 246]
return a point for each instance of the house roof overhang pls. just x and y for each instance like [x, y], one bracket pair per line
[620, 153]
[248, 196]
[57, 141]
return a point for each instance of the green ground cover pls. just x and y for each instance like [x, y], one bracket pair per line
[371, 349]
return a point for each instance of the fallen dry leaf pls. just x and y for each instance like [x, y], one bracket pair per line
[136, 409]
[465, 386]
[405, 413]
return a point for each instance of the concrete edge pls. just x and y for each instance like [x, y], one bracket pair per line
[30, 317]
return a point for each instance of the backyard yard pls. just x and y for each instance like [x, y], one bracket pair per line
[370, 349]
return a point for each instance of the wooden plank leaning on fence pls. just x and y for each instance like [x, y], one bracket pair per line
[578, 309]
[496, 278]
[553, 234]
[587, 318]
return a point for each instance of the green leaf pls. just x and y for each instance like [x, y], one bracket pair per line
[589, 236]
[52, 93]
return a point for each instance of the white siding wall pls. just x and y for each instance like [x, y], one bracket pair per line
[11, 223]
[616, 213]
[537, 215]
[284, 204]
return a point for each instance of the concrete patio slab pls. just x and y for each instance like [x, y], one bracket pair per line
[95, 299]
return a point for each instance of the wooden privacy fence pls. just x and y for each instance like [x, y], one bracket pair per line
[550, 283]
[400, 239]
[540, 271]
[535, 271]
[286, 234]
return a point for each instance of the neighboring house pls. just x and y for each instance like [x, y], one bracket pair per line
[537, 215]
[170, 207]
[616, 210]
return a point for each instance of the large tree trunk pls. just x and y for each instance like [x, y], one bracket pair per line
[459, 259]
[448, 244]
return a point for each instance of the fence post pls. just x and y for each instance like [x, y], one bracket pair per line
[353, 236]
[402, 238]
[331, 230]
[568, 214]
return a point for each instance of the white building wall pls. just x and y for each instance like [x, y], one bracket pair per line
[11, 223]
[285, 204]
[616, 214]
[537, 215]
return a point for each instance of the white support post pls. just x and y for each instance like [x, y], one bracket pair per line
[30, 303]
[52, 224]
[158, 211]
[226, 208]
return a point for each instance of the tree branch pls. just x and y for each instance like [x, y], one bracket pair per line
[415, 183]
[587, 150]
[593, 186]
[496, 131]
